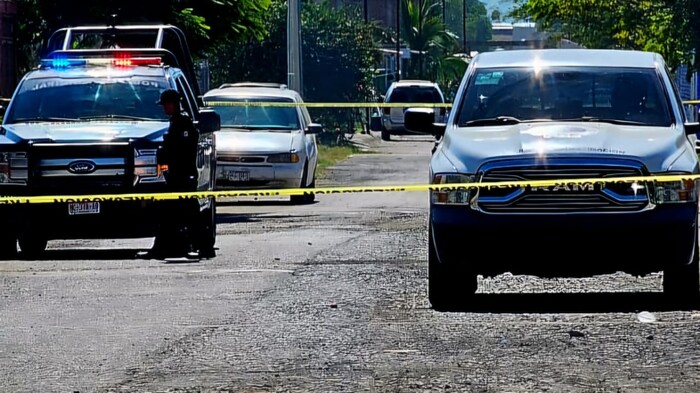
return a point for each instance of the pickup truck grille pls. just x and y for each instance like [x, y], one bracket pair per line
[81, 168]
[589, 198]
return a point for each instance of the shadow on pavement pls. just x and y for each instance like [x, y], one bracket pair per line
[78, 254]
[600, 302]
[261, 203]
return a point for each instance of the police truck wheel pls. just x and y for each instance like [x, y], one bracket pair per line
[208, 240]
[683, 281]
[448, 285]
[32, 246]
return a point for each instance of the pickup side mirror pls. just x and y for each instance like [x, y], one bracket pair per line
[692, 128]
[314, 128]
[422, 121]
[209, 121]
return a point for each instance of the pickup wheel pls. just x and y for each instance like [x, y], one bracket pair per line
[386, 135]
[8, 246]
[683, 281]
[32, 247]
[448, 285]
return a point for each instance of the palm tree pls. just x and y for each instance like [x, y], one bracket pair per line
[424, 32]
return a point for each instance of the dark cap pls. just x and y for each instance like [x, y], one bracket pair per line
[170, 95]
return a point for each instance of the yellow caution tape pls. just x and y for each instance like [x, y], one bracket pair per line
[350, 104]
[330, 104]
[341, 190]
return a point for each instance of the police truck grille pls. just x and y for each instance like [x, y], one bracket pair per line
[564, 198]
[81, 169]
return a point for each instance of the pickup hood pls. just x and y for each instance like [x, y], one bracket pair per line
[657, 147]
[255, 142]
[85, 131]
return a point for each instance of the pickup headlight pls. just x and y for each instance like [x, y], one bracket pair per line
[146, 168]
[681, 191]
[13, 168]
[447, 196]
[286, 158]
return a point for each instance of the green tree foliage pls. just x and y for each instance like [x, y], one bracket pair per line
[432, 45]
[205, 22]
[339, 53]
[478, 23]
[426, 36]
[665, 27]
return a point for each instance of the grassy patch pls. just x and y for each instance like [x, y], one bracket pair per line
[331, 155]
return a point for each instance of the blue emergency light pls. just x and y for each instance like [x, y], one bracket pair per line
[59, 62]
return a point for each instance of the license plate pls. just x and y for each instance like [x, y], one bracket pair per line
[83, 208]
[238, 176]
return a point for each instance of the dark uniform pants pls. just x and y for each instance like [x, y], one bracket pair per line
[179, 220]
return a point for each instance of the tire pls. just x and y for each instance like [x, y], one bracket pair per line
[32, 247]
[208, 227]
[386, 135]
[304, 199]
[8, 246]
[448, 285]
[682, 282]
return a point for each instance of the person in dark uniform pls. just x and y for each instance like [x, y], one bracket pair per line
[180, 225]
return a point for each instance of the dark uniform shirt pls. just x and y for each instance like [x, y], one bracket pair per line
[179, 151]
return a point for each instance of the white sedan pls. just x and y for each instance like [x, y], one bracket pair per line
[265, 141]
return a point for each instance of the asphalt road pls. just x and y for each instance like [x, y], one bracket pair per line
[328, 297]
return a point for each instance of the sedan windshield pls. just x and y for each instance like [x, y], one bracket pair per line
[88, 98]
[253, 114]
[616, 95]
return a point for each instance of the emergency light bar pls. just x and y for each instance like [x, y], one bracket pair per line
[121, 61]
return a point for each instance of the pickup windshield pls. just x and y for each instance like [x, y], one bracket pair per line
[632, 96]
[252, 113]
[88, 98]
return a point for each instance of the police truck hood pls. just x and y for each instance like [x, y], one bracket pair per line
[86, 131]
[469, 147]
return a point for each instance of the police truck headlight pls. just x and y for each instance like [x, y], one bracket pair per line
[677, 191]
[146, 168]
[13, 168]
[444, 194]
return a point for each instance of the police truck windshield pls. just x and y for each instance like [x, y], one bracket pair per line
[87, 98]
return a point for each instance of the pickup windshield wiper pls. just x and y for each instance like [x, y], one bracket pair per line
[605, 120]
[122, 117]
[42, 119]
[499, 120]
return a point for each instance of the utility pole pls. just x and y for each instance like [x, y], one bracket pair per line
[366, 12]
[294, 75]
[398, 40]
[464, 27]
[444, 20]
[420, 33]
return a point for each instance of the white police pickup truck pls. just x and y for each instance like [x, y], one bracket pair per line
[528, 115]
[86, 121]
